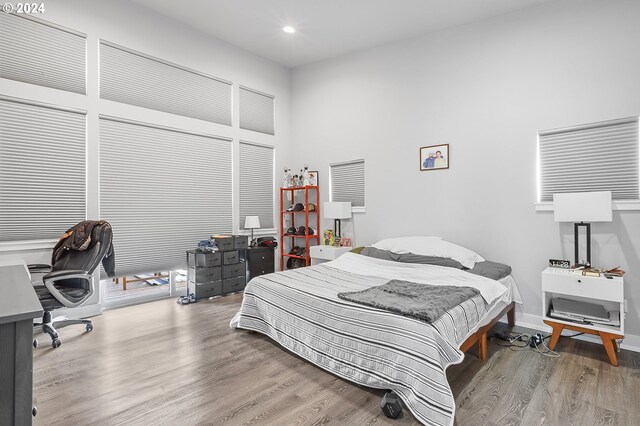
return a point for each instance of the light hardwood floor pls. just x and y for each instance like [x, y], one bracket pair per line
[162, 363]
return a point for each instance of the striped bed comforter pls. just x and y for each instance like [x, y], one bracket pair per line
[301, 311]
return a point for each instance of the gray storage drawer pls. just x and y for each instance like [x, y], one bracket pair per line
[240, 242]
[230, 257]
[230, 271]
[233, 284]
[204, 260]
[207, 274]
[206, 290]
[224, 243]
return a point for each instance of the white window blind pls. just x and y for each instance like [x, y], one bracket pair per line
[42, 170]
[37, 52]
[162, 190]
[594, 157]
[347, 182]
[256, 111]
[256, 183]
[137, 79]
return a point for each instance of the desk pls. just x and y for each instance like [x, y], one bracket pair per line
[19, 305]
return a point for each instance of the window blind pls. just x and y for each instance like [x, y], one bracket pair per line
[256, 111]
[162, 190]
[347, 182]
[137, 79]
[256, 183]
[594, 157]
[38, 52]
[42, 170]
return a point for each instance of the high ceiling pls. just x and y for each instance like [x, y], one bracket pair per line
[325, 28]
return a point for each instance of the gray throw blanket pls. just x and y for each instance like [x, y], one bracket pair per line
[422, 301]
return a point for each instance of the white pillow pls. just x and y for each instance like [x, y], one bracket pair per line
[403, 245]
[430, 246]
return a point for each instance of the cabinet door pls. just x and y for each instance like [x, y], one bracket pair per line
[260, 262]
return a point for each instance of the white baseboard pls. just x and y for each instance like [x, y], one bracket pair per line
[631, 342]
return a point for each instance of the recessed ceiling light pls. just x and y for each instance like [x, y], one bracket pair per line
[289, 29]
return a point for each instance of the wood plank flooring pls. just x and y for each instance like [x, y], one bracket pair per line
[165, 364]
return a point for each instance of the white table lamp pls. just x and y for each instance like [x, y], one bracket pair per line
[336, 211]
[252, 222]
[582, 207]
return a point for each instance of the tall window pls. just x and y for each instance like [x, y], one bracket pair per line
[257, 111]
[35, 51]
[162, 190]
[135, 78]
[42, 170]
[600, 156]
[347, 182]
[256, 183]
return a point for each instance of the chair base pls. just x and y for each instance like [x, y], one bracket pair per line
[49, 327]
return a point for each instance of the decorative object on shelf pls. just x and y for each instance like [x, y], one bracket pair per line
[305, 176]
[286, 178]
[337, 211]
[345, 242]
[558, 263]
[313, 177]
[582, 207]
[328, 237]
[252, 222]
[336, 242]
[434, 157]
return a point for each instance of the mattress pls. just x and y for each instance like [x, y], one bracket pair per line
[301, 311]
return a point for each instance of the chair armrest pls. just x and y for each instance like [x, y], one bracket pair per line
[87, 283]
[66, 273]
[39, 267]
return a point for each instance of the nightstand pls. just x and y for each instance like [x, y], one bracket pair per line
[260, 261]
[324, 253]
[607, 292]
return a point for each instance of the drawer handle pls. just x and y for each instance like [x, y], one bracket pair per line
[579, 281]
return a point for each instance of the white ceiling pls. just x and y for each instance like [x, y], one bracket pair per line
[325, 28]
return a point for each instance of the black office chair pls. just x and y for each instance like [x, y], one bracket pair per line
[68, 282]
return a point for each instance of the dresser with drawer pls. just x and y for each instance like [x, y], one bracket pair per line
[260, 261]
[216, 273]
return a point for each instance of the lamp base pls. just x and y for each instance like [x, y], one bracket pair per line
[576, 234]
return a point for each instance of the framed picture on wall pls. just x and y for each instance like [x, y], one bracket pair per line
[313, 177]
[434, 157]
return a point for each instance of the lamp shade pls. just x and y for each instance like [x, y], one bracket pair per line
[251, 222]
[337, 210]
[582, 207]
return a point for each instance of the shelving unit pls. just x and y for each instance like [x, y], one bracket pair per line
[290, 217]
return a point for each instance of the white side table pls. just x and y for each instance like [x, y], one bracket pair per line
[608, 292]
[323, 253]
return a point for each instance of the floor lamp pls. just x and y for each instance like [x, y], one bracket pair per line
[582, 208]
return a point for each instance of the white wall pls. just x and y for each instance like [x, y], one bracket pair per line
[486, 89]
[137, 28]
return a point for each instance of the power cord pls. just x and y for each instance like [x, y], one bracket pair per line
[521, 341]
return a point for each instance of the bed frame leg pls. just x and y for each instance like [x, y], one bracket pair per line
[511, 316]
[482, 347]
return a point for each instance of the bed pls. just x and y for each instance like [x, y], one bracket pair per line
[300, 309]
